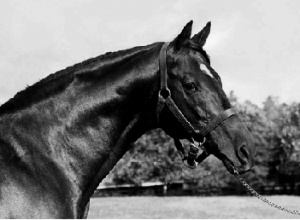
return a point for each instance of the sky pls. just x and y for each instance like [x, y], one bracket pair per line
[254, 45]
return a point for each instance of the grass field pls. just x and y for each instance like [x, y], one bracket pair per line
[191, 207]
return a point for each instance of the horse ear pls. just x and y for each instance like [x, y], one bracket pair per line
[200, 38]
[183, 37]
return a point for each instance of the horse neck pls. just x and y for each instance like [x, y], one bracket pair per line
[101, 113]
[89, 126]
[123, 111]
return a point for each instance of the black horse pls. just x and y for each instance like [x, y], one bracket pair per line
[60, 137]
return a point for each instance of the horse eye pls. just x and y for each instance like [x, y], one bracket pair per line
[190, 86]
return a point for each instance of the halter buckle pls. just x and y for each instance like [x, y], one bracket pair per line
[190, 160]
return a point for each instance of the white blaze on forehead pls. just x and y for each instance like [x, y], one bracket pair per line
[204, 68]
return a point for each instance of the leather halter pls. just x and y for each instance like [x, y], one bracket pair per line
[164, 98]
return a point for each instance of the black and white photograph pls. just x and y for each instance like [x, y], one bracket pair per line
[170, 109]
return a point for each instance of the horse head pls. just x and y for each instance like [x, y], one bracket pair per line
[202, 112]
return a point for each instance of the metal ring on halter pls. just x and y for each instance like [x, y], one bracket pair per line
[235, 172]
[201, 144]
[204, 140]
[161, 93]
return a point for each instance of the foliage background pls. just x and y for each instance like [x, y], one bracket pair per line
[275, 129]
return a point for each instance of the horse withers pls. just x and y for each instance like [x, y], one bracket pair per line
[60, 137]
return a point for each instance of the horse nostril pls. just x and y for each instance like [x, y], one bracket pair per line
[243, 154]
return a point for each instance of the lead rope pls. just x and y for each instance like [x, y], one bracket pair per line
[251, 190]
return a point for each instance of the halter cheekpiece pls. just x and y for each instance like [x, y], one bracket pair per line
[192, 159]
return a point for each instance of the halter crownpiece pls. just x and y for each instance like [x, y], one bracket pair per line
[192, 159]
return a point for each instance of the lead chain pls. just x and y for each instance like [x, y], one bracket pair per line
[236, 175]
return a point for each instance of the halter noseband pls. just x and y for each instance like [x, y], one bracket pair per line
[164, 98]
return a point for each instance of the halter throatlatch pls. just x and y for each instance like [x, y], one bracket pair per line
[192, 158]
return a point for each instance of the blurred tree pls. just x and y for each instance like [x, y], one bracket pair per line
[153, 158]
[276, 133]
[288, 138]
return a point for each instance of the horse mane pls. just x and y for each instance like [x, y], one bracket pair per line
[58, 81]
